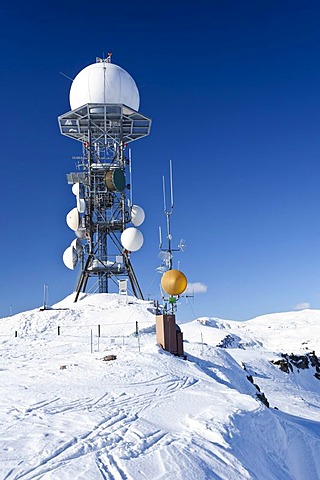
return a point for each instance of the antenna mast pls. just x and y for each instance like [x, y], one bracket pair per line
[167, 255]
[173, 282]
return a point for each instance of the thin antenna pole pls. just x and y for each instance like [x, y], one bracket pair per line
[130, 177]
[164, 195]
[171, 186]
[169, 239]
[168, 214]
[64, 75]
[160, 238]
[45, 296]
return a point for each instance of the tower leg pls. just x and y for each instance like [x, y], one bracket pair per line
[83, 280]
[132, 277]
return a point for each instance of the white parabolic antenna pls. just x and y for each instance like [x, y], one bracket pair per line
[70, 257]
[132, 239]
[73, 219]
[137, 215]
[104, 82]
[76, 189]
[77, 245]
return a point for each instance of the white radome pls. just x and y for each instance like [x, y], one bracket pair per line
[76, 189]
[131, 239]
[77, 245]
[137, 215]
[70, 257]
[73, 219]
[104, 82]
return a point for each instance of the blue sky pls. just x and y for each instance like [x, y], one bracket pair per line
[233, 89]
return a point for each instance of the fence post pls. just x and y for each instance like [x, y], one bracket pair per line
[138, 337]
[91, 342]
[15, 333]
[58, 329]
[98, 330]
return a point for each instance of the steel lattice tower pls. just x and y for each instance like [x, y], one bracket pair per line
[102, 186]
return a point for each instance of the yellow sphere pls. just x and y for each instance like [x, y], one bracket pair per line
[174, 282]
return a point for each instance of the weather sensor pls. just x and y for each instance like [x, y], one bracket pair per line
[104, 100]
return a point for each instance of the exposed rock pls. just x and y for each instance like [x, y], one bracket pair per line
[231, 341]
[263, 399]
[301, 362]
[107, 358]
[212, 322]
[250, 378]
[284, 365]
[314, 360]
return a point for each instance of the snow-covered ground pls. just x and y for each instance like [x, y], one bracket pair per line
[68, 414]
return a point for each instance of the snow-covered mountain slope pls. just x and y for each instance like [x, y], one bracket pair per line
[66, 413]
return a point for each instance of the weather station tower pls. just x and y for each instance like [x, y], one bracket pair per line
[104, 117]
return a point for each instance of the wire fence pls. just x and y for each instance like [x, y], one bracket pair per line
[132, 333]
[108, 334]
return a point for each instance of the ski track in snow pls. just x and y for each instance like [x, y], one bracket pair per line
[126, 431]
[119, 431]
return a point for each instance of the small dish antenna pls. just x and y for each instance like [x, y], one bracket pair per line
[182, 245]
